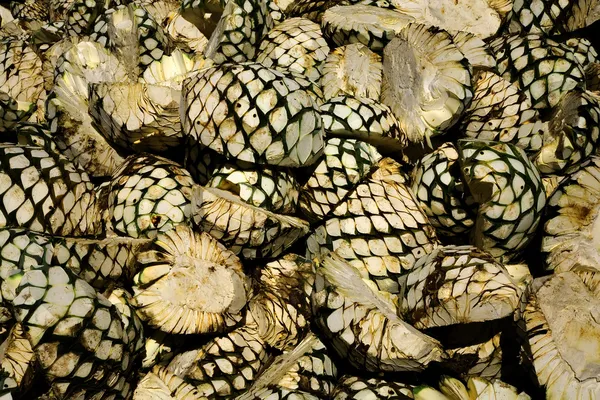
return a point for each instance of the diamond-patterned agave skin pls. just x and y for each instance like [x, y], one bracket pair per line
[45, 192]
[363, 119]
[275, 190]
[21, 74]
[226, 366]
[147, 195]
[570, 237]
[426, 81]
[182, 262]
[254, 114]
[352, 70]
[67, 113]
[479, 360]
[305, 372]
[510, 194]
[573, 133]
[542, 68]
[372, 26]
[358, 388]
[131, 32]
[100, 262]
[345, 163]
[161, 384]
[379, 229]
[550, 17]
[500, 111]
[554, 337]
[137, 116]
[297, 45]
[457, 285]
[311, 9]
[583, 50]
[201, 161]
[362, 323]
[78, 336]
[12, 112]
[244, 229]
[82, 15]
[240, 30]
[281, 309]
[437, 185]
[30, 10]
[18, 360]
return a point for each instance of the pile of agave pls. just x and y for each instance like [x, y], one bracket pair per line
[306, 199]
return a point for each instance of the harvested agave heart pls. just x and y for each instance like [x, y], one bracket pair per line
[226, 366]
[426, 81]
[17, 361]
[476, 389]
[358, 388]
[477, 52]
[510, 194]
[550, 17]
[237, 36]
[147, 195]
[295, 44]
[371, 26]
[281, 308]
[352, 70]
[182, 262]
[78, 65]
[583, 50]
[561, 322]
[363, 119]
[245, 229]
[500, 111]
[362, 324]
[437, 185]
[345, 163]
[253, 113]
[84, 346]
[45, 192]
[137, 116]
[572, 134]
[21, 76]
[304, 372]
[162, 384]
[570, 227]
[542, 68]
[458, 285]
[274, 190]
[379, 229]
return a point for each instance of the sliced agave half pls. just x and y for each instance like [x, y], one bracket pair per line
[426, 81]
[147, 195]
[345, 163]
[458, 285]
[571, 227]
[500, 111]
[184, 33]
[572, 134]
[362, 322]
[161, 384]
[245, 229]
[189, 283]
[297, 45]
[352, 70]
[476, 389]
[137, 116]
[253, 113]
[379, 229]
[482, 360]
[17, 359]
[509, 190]
[475, 50]
[371, 26]
[305, 372]
[560, 321]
